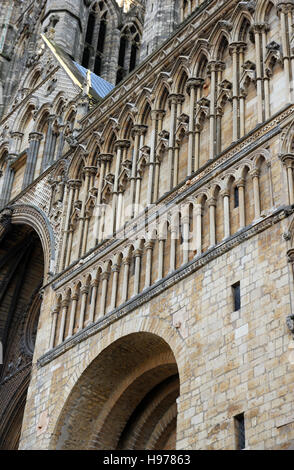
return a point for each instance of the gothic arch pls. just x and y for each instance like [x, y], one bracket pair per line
[35, 218]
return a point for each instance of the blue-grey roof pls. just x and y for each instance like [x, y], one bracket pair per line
[101, 86]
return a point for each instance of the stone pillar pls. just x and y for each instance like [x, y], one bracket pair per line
[64, 308]
[84, 293]
[55, 313]
[94, 289]
[8, 180]
[212, 206]
[212, 67]
[126, 265]
[236, 48]
[255, 177]
[174, 100]
[138, 254]
[226, 199]
[88, 171]
[137, 131]
[73, 187]
[149, 247]
[241, 193]
[103, 159]
[104, 278]
[173, 243]
[288, 162]
[191, 85]
[120, 145]
[115, 270]
[285, 8]
[34, 141]
[48, 142]
[185, 234]
[257, 29]
[161, 258]
[74, 302]
[156, 116]
[198, 215]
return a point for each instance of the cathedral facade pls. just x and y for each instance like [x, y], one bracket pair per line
[146, 224]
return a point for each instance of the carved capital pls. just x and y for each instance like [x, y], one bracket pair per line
[237, 47]
[123, 143]
[176, 98]
[139, 129]
[194, 83]
[287, 159]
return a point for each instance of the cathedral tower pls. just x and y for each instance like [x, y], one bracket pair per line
[161, 19]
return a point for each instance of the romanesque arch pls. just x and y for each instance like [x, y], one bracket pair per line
[131, 406]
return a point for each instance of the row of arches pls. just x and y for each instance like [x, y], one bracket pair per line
[214, 213]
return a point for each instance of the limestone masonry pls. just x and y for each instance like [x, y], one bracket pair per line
[146, 224]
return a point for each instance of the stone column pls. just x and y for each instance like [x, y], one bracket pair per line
[257, 29]
[34, 141]
[241, 193]
[70, 196]
[198, 215]
[104, 278]
[115, 270]
[149, 247]
[137, 131]
[120, 146]
[94, 289]
[284, 8]
[8, 180]
[185, 234]
[235, 49]
[64, 308]
[126, 265]
[156, 115]
[88, 171]
[138, 254]
[103, 159]
[161, 243]
[55, 313]
[212, 206]
[226, 200]
[243, 95]
[173, 243]
[84, 293]
[288, 162]
[255, 177]
[48, 141]
[191, 85]
[174, 100]
[74, 302]
[212, 67]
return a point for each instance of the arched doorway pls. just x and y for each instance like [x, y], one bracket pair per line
[21, 279]
[125, 399]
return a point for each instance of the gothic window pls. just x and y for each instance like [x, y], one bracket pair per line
[95, 39]
[128, 51]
